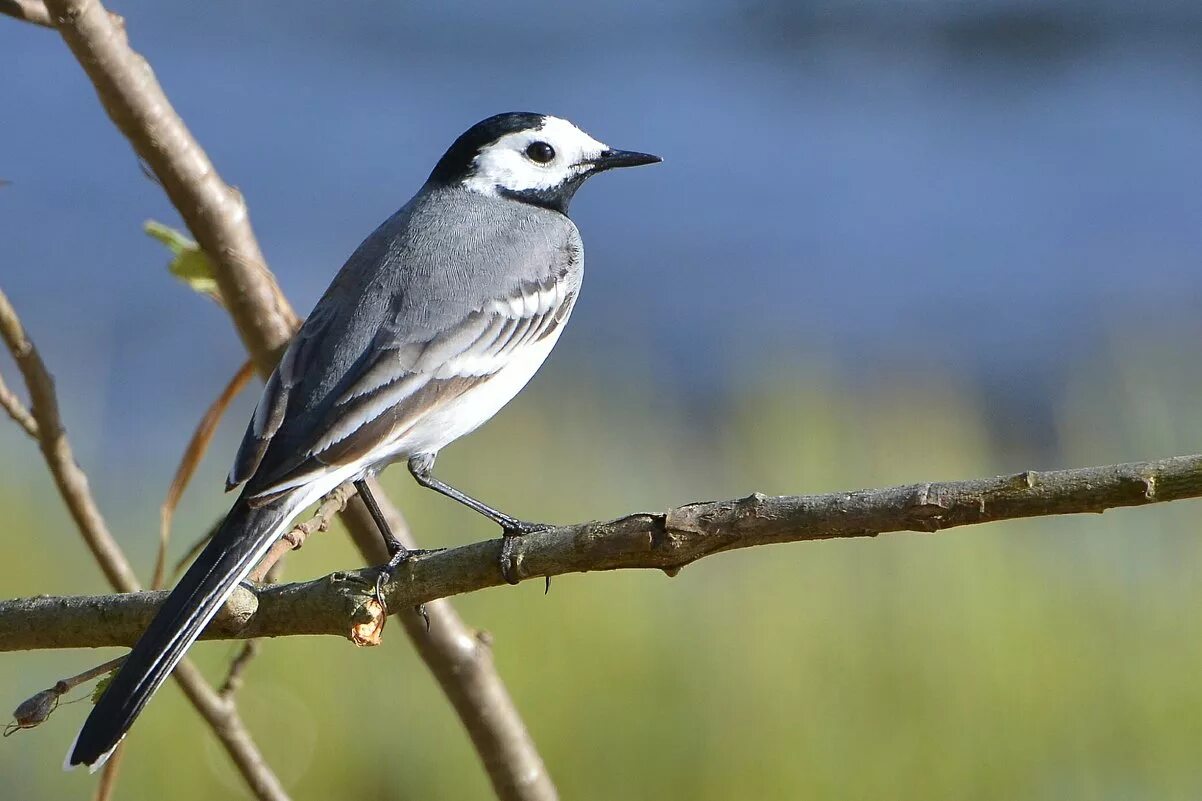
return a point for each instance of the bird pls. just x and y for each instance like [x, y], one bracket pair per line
[436, 321]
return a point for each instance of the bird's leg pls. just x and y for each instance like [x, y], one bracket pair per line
[398, 554]
[396, 548]
[422, 465]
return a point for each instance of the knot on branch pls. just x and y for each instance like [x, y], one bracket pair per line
[237, 610]
[690, 532]
[928, 507]
[367, 628]
[363, 611]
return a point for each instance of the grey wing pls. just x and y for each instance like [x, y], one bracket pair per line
[393, 385]
[273, 402]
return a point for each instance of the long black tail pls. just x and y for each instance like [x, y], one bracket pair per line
[237, 546]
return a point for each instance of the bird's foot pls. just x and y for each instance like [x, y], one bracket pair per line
[386, 571]
[511, 529]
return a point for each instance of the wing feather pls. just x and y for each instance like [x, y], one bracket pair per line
[273, 402]
[396, 382]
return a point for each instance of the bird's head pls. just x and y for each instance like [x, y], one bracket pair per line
[533, 158]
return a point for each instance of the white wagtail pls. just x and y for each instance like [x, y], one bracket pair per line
[435, 322]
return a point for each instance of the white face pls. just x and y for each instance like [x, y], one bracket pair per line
[511, 163]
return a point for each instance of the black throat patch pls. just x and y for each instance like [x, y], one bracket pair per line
[557, 198]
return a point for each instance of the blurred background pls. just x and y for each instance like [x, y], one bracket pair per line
[890, 242]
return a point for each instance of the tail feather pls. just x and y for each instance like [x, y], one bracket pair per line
[233, 552]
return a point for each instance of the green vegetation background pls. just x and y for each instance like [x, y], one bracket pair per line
[1045, 659]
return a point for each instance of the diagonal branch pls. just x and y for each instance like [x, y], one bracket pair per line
[462, 662]
[73, 487]
[214, 211]
[17, 410]
[71, 480]
[668, 541]
[217, 217]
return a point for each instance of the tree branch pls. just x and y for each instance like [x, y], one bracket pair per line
[214, 211]
[34, 710]
[16, 410]
[217, 217]
[668, 541]
[52, 439]
[320, 520]
[73, 488]
[463, 664]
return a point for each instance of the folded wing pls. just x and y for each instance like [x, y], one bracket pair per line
[392, 385]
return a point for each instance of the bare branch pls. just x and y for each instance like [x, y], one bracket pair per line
[71, 481]
[17, 410]
[330, 506]
[214, 211]
[222, 716]
[34, 710]
[233, 678]
[73, 488]
[108, 777]
[195, 548]
[463, 664]
[667, 541]
[28, 10]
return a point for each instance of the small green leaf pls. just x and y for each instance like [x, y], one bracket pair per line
[102, 685]
[190, 264]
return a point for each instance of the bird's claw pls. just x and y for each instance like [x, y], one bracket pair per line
[387, 570]
[420, 609]
[384, 574]
[510, 531]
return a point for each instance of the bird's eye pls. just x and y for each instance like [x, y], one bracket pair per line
[540, 152]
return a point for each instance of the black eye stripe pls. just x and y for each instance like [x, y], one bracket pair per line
[540, 152]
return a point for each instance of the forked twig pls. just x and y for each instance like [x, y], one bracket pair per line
[17, 410]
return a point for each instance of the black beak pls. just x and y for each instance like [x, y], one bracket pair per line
[609, 159]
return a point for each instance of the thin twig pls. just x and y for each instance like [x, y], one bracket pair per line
[73, 488]
[33, 11]
[34, 710]
[17, 410]
[108, 777]
[329, 507]
[46, 427]
[194, 549]
[667, 541]
[63, 686]
[233, 679]
[193, 453]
